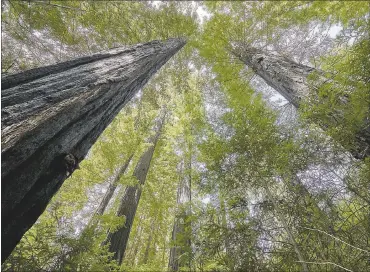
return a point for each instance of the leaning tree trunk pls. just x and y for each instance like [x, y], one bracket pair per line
[112, 187]
[181, 228]
[51, 116]
[290, 79]
[118, 240]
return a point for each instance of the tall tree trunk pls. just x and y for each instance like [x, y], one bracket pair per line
[62, 109]
[180, 232]
[112, 187]
[109, 193]
[290, 80]
[118, 240]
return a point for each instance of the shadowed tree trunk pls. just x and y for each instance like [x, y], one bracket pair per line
[181, 228]
[51, 116]
[290, 80]
[130, 200]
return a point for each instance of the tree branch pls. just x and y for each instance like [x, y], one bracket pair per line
[323, 263]
[336, 238]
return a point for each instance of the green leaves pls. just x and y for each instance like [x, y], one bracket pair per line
[217, 123]
[342, 104]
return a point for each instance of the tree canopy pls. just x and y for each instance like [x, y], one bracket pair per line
[271, 187]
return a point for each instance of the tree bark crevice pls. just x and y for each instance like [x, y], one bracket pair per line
[62, 109]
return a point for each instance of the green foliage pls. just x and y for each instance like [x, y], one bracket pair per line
[262, 193]
[51, 246]
[342, 105]
[61, 30]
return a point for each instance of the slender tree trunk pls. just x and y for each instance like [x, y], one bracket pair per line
[155, 249]
[109, 193]
[180, 232]
[135, 251]
[290, 80]
[118, 240]
[112, 187]
[62, 109]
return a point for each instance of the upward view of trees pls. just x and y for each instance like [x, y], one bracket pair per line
[185, 136]
[290, 79]
[66, 108]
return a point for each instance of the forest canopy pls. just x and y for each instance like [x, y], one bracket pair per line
[249, 150]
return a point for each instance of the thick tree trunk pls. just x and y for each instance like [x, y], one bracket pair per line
[290, 80]
[180, 232]
[118, 240]
[62, 109]
[286, 76]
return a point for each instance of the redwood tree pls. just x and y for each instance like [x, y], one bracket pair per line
[112, 188]
[292, 81]
[118, 239]
[52, 115]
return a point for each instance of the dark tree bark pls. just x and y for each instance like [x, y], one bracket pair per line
[130, 200]
[290, 80]
[62, 109]
[181, 227]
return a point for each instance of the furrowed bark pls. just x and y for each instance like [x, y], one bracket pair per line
[62, 109]
[290, 80]
[286, 76]
[118, 240]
